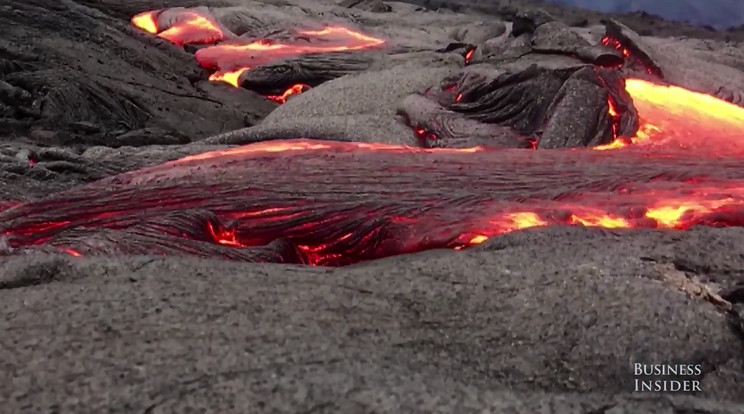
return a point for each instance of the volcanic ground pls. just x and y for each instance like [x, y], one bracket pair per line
[366, 206]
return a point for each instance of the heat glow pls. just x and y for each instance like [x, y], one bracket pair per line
[182, 28]
[342, 202]
[674, 116]
[231, 58]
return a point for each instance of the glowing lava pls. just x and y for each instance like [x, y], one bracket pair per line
[613, 43]
[233, 57]
[292, 90]
[181, 27]
[335, 203]
[146, 21]
[231, 78]
[674, 116]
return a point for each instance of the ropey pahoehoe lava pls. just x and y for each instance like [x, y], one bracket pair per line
[657, 156]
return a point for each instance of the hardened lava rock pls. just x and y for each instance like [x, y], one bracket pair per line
[537, 107]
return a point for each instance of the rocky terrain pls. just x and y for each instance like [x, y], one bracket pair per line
[172, 243]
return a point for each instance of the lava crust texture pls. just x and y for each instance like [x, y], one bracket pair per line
[596, 138]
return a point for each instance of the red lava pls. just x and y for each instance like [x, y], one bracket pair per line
[232, 57]
[694, 138]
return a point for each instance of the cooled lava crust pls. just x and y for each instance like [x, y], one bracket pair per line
[608, 138]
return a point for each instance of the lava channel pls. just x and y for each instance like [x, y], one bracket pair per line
[230, 56]
[335, 203]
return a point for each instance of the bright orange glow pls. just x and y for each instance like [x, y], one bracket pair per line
[671, 214]
[146, 21]
[72, 252]
[231, 57]
[525, 220]
[601, 220]
[478, 239]
[616, 45]
[469, 55]
[681, 169]
[308, 145]
[292, 90]
[231, 77]
[671, 115]
[611, 108]
[186, 27]
[234, 57]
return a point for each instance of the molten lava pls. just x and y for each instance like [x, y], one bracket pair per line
[292, 90]
[231, 59]
[615, 44]
[335, 203]
[469, 55]
[234, 56]
[674, 116]
[182, 27]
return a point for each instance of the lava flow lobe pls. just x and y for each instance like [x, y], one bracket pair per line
[230, 56]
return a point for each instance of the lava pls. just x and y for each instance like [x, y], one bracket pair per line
[181, 27]
[231, 59]
[230, 56]
[295, 89]
[146, 21]
[469, 55]
[608, 41]
[335, 203]
[674, 116]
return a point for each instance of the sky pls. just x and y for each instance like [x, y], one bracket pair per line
[720, 14]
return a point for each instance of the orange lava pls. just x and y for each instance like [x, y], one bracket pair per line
[186, 27]
[607, 41]
[305, 145]
[146, 21]
[674, 116]
[292, 90]
[469, 55]
[671, 118]
[231, 77]
[232, 58]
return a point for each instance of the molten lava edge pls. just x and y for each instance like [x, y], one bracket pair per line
[335, 203]
[230, 56]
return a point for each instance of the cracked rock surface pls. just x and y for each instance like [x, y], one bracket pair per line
[490, 328]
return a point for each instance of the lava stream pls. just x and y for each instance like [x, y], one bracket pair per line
[231, 58]
[335, 203]
[674, 116]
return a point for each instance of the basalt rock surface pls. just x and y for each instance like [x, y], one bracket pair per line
[149, 264]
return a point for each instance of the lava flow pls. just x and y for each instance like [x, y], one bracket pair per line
[674, 116]
[335, 203]
[180, 26]
[235, 55]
